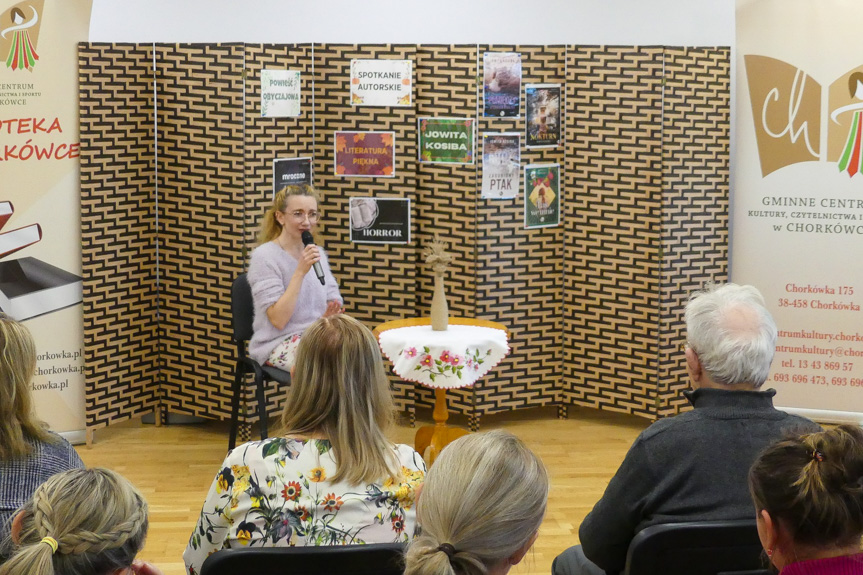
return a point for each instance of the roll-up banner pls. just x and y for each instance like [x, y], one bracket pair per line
[40, 231]
[798, 194]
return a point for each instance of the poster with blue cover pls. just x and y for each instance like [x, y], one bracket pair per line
[501, 85]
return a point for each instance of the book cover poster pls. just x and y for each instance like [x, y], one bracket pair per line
[380, 220]
[542, 105]
[381, 82]
[280, 93]
[446, 140]
[541, 195]
[291, 172]
[501, 165]
[365, 154]
[502, 84]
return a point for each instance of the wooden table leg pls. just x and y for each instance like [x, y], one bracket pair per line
[430, 440]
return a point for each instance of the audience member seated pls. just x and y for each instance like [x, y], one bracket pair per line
[29, 453]
[693, 466]
[808, 494]
[332, 477]
[480, 509]
[80, 522]
[287, 296]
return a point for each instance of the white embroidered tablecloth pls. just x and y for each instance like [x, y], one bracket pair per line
[447, 359]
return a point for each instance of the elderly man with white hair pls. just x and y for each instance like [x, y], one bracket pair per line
[693, 467]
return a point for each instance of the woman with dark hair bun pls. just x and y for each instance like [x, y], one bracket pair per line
[808, 494]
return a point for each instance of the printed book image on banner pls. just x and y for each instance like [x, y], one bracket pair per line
[280, 93]
[798, 195]
[380, 220]
[501, 84]
[541, 195]
[542, 102]
[40, 206]
[365, 154]
[501, 165]
[291, 172]
[381, 82]
[30, 287]
[446, 140]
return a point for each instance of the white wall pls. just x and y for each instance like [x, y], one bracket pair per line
[639, 22]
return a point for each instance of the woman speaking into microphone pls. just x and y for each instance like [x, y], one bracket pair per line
[292, 285]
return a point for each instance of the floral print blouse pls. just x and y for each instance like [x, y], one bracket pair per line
[277, 492]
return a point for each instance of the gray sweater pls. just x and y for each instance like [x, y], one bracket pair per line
[20, 477]
[690, 467]
[270, 271]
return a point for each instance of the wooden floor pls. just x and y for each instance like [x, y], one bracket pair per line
[174, 465]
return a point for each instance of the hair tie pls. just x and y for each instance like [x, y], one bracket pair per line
[52, 543]
[448, 549]
[817, 456]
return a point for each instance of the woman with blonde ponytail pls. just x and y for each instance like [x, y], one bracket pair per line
[480, 509]
[288, 295]
[29, 453]
[808, 494]
[80, 522]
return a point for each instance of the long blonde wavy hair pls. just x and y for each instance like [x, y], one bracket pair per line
[270, 226]
[339, 390]
[97, 518]
[18, 422]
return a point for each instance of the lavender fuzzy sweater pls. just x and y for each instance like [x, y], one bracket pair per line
[270, 271]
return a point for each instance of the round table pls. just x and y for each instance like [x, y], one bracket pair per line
[442, 360]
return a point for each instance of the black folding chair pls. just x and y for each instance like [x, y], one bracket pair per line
[375, 559]
[242, 317]
[697, 548]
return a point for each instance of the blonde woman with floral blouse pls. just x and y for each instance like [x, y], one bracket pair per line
[332, 477]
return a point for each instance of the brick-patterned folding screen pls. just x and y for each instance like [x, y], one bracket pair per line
[118, 229]
[200, 185]
[695, 170]
[594, 306]
[613, 202]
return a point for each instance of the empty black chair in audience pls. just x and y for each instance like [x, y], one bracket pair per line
[242, 316]
[697, 548]
[375, 559]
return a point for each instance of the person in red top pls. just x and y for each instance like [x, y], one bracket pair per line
[808, 494]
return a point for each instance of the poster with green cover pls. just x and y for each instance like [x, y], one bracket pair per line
[541, 195]
[446, 140]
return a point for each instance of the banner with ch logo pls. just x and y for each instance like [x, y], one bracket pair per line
[797, 227]
[40, 232]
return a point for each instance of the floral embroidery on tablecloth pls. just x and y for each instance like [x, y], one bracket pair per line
[447, 364]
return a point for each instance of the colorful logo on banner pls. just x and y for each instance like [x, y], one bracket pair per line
[446, 140]
[365, 154]
[19, 34]
[786, 109]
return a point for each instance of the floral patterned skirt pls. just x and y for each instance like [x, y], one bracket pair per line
[284, 355]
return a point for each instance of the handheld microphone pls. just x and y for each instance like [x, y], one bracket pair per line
[319, 271]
